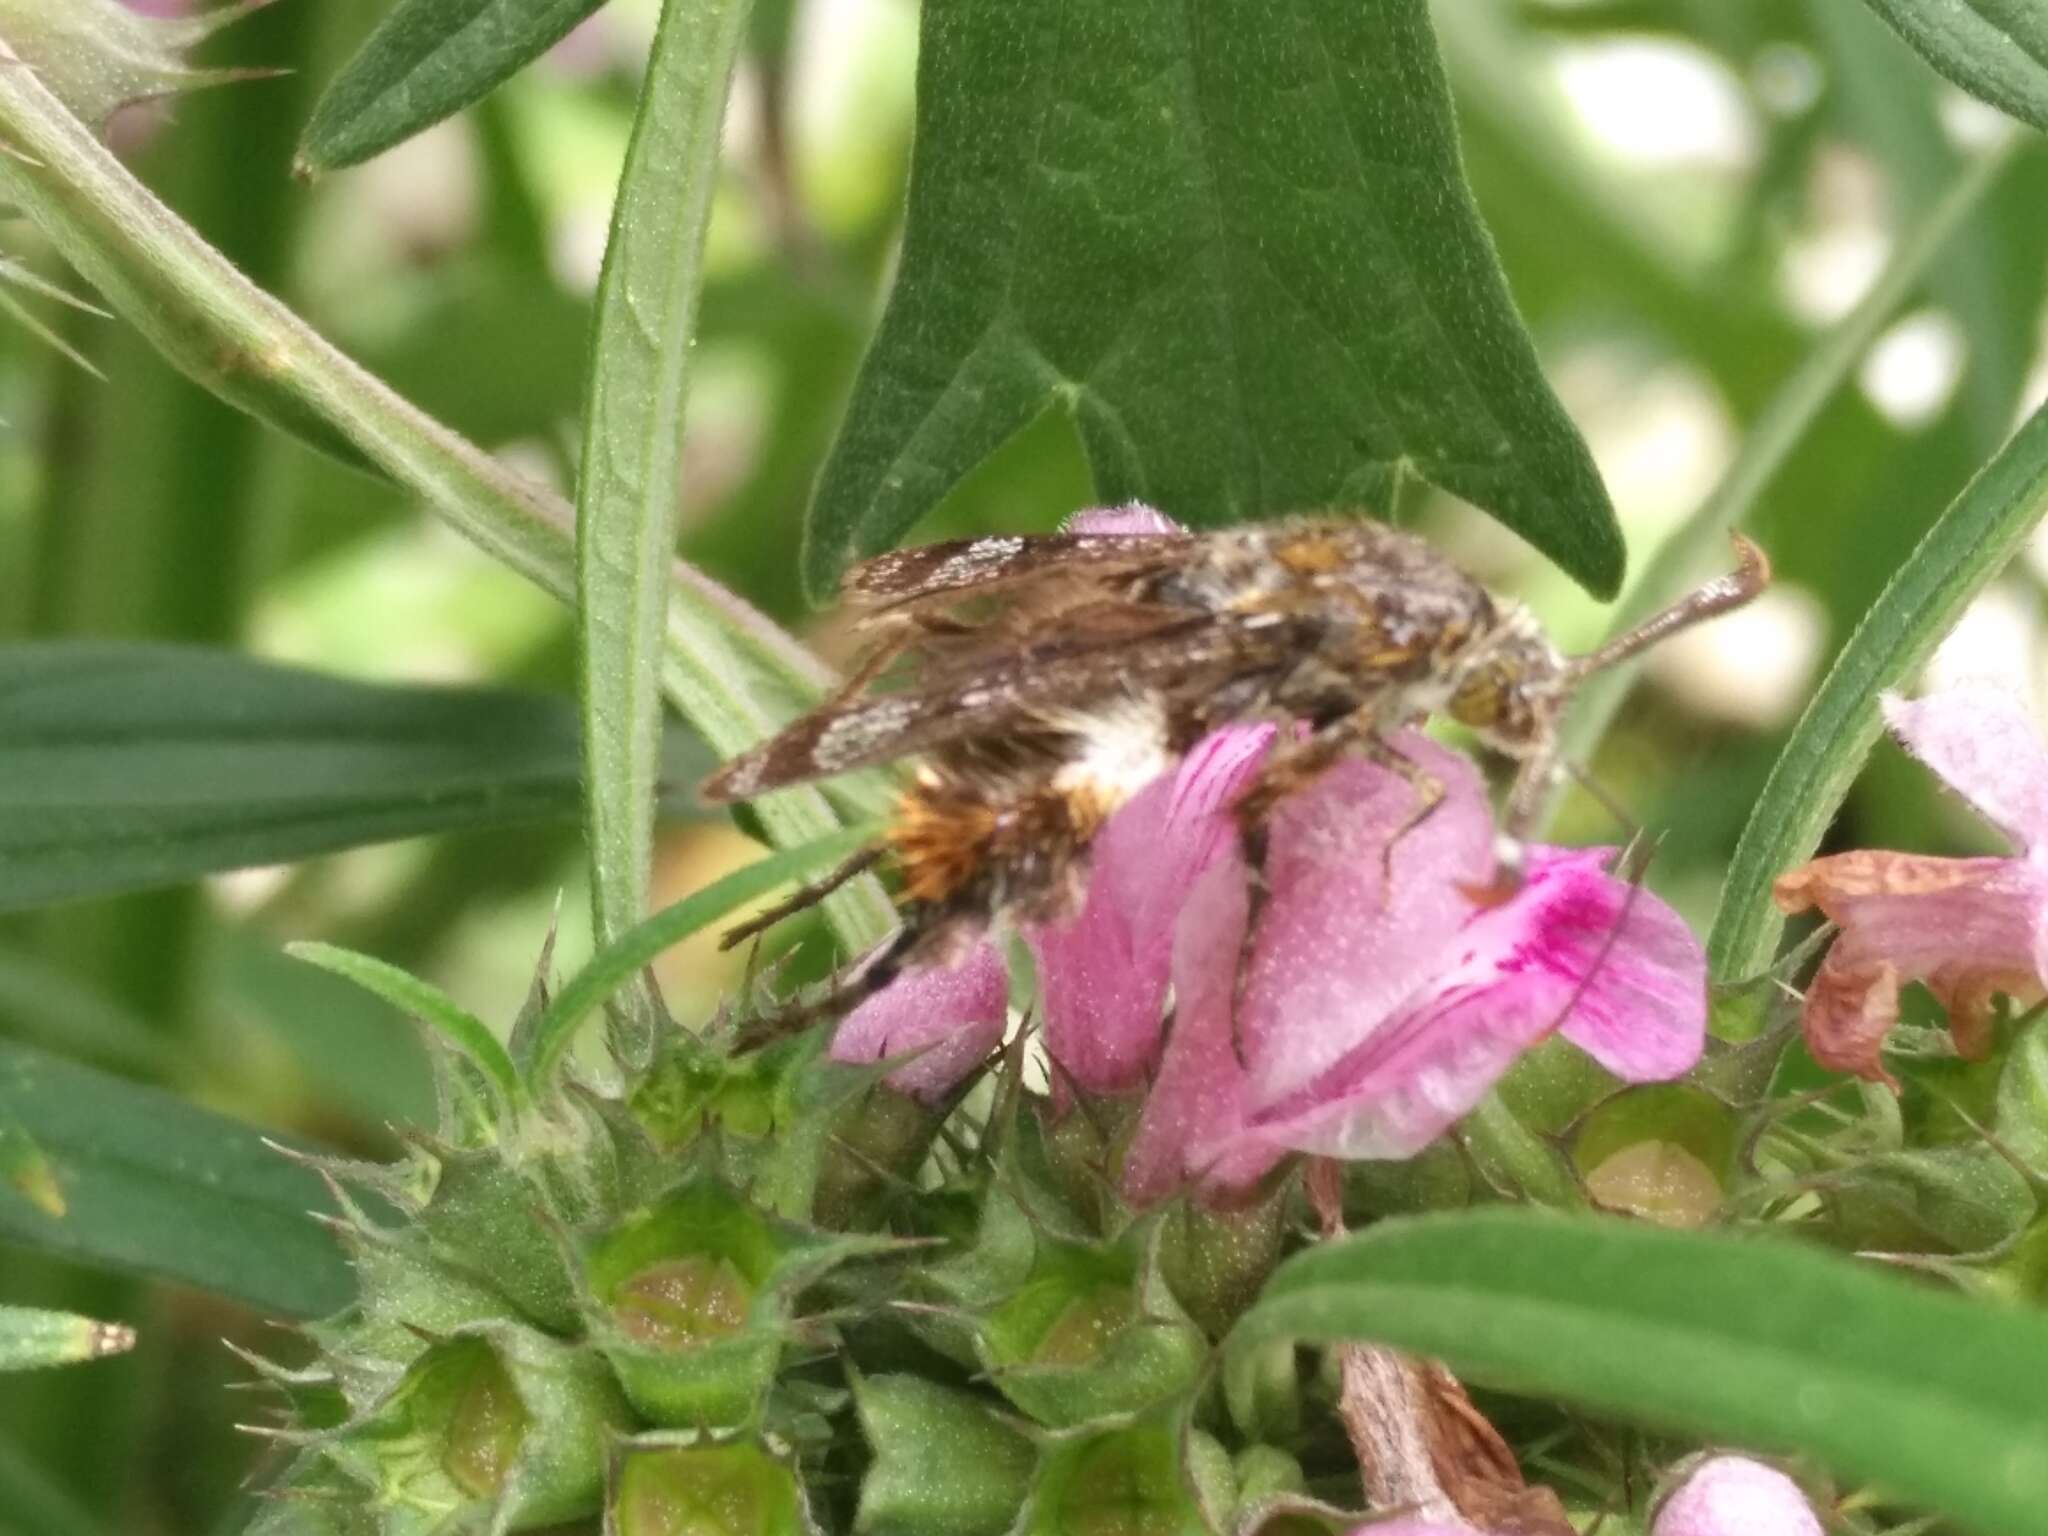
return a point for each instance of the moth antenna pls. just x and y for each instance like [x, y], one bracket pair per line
[1750, 576]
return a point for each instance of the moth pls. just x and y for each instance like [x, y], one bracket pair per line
[1053, 677]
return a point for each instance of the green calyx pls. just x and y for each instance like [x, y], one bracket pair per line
[99, 56]
[692, 1298]
[692, 1485]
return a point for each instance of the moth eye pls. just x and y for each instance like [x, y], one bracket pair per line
[1477, 702]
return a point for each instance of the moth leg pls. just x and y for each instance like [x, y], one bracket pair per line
[805, 896]
[1429, 794]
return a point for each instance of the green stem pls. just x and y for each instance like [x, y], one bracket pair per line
[630, 496]
[732, 673]
[1779, 430]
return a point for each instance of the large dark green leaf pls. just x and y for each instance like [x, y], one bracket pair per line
[156, 1186]
[1749, 1341]
[130, 766]
[427, 59]
[1233, 241]
[1994, 49]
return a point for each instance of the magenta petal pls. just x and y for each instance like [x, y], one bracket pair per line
[1131, 517]
[1629, 977]
[1574, 948]
[1336, 954]
[1984, 741]
[947, 1020]
[1102, 978]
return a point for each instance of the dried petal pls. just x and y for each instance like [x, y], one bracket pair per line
[1968, 929]
[949, 1020]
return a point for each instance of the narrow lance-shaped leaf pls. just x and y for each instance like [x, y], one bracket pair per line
[1997, 50]
[126, 766]
[159, 1187]
[462, 1030]
[426, 60]
[1746, 1340]
[1967, 546]
[1233, 241]
[31, 1337]
[630, 491]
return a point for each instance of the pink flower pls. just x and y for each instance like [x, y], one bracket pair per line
[1968, 929]
[1734, 1496]
[1413, 1527]
[1380, 997]
[1384, 994]
[946, 1021]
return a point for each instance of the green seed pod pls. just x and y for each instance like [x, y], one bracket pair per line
[945, 1463]
[501, 1426]
[1071, 1331]
[1664, 1151]
[703, 1485]
[692, 1299]
[1150, 1478]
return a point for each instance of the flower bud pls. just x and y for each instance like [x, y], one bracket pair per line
[1734, 1496]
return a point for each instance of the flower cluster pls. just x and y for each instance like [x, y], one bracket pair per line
[1370, 999]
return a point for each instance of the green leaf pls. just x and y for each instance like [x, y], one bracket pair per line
[1751, 1341]
[462, 1030]
[425, 60]
[1234, 243]
[159, 1187]
[623, 959]
[31, 1338]
[126, 766]
[630, 491]
[1997, 50]
[1967, 546]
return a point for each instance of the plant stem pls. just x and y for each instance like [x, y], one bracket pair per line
[731, 672]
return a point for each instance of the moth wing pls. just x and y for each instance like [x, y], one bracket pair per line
[997, 693]
[957, 569]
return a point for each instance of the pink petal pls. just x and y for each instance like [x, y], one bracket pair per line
[1413, 1527]
[1102, 977]
[1985, 742]
[1336, 953]
[1131, 517]
[1636, 999]
[1967, 928]
[1575, 948]
[947, 1020]
[1734, 1496]
[1194, 1115]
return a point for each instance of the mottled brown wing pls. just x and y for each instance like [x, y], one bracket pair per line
[999, 693]
[958, 569]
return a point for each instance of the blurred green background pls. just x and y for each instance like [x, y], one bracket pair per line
[1684, 193]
